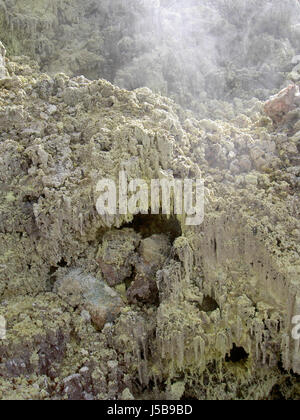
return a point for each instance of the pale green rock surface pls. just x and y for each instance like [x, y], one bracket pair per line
[226, 289]
[146, 307]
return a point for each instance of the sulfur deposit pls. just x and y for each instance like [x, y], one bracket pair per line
[143, 306]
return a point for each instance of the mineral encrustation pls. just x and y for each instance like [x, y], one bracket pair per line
[143, 306]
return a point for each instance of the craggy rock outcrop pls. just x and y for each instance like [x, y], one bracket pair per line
[280, 105]
[102, 307]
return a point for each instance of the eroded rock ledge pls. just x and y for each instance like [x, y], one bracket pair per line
[143, 306]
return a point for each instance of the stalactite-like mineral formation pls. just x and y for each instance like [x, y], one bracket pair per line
[143, 306]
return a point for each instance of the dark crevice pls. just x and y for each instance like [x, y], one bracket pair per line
[237, 354]
[275, 394]
[209, 304]
[28, 199]
[150, 224]
[215, 246]
[52, 270]
[154, 389]
[62, 263]
[99, 235]
[189, 396]
[52, 274]
[51, 279]
[129, 280]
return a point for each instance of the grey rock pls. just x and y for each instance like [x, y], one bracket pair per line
[296, 59]
[82, 290]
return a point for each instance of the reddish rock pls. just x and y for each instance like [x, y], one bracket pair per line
[153, 252]
[113, 274]
[144, 288]
[116, 255]
[278, 106]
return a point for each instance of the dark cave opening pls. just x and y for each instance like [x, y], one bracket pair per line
[209, 304]
[52, 274]
[151, 224]
[237, 354]
[62, 263]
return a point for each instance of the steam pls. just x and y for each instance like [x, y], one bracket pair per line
[196, 51]
[201, 53]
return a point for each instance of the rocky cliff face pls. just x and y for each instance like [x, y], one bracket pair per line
[143, 306]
